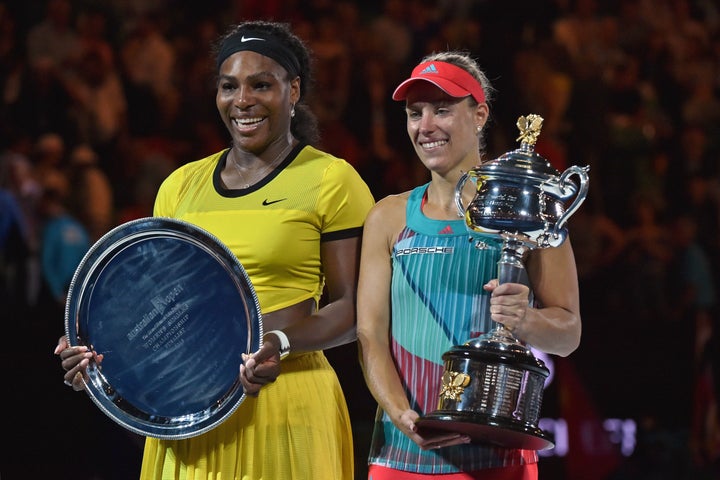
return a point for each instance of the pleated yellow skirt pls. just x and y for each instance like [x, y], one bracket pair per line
[297, 428]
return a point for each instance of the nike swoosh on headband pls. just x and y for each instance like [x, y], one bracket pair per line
[243, 39]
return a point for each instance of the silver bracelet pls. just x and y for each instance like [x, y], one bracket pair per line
[284, 342]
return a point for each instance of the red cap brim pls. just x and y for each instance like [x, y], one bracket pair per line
[451, 79]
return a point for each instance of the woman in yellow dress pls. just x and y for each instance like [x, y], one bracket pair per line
[302, 211]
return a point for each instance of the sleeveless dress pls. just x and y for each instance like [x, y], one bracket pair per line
[438, 271]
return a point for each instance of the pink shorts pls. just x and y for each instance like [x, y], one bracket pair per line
[515, 472]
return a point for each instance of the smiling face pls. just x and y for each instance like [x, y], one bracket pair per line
[254, 99]
[444, 129]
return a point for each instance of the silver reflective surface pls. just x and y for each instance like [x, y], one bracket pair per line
[171, 310]
[520, 196]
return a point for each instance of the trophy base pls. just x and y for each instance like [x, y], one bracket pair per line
[487, 429]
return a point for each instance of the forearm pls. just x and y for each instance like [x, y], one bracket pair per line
[333, 325]
[382, 378]
[552, 330]
[308, 330]
[554, 326]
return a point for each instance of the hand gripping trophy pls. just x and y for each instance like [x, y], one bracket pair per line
[492, 385]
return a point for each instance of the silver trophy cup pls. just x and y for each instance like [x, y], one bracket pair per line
[492, 385]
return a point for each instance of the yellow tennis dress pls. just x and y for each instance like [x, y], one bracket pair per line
[298, 427]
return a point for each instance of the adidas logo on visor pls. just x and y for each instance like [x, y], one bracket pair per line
[429, 69]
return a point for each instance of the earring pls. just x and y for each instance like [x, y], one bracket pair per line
[292, 111]
[478, 128]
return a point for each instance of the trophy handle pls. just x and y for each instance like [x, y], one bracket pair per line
[579, 198]
[458, 193]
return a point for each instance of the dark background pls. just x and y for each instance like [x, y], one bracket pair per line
[629, 88]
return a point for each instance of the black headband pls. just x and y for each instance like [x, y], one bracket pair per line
[262, 43]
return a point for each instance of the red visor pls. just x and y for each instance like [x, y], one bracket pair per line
[451, 79]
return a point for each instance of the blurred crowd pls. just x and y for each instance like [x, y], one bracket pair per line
[99, 101]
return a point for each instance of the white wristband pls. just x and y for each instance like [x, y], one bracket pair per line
[284, 342]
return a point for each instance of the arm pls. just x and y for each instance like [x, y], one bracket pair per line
[373, 323]
[344, 204]
[330, 326]
[334, 323]
[373, 317]
[554, 326]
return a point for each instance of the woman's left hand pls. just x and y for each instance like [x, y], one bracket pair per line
[428, 439]
[260, 368]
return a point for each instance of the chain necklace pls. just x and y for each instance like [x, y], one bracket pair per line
[261, 174]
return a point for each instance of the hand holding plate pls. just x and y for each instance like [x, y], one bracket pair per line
[260, 368]
[75, 361]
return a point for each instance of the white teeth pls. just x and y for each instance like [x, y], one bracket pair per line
[434, 144]
[247, 121]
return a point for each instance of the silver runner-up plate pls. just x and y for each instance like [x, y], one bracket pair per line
[171, 310]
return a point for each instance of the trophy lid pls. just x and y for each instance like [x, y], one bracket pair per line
[523, 161]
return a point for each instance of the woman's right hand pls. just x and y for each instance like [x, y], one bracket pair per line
[75, 361]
